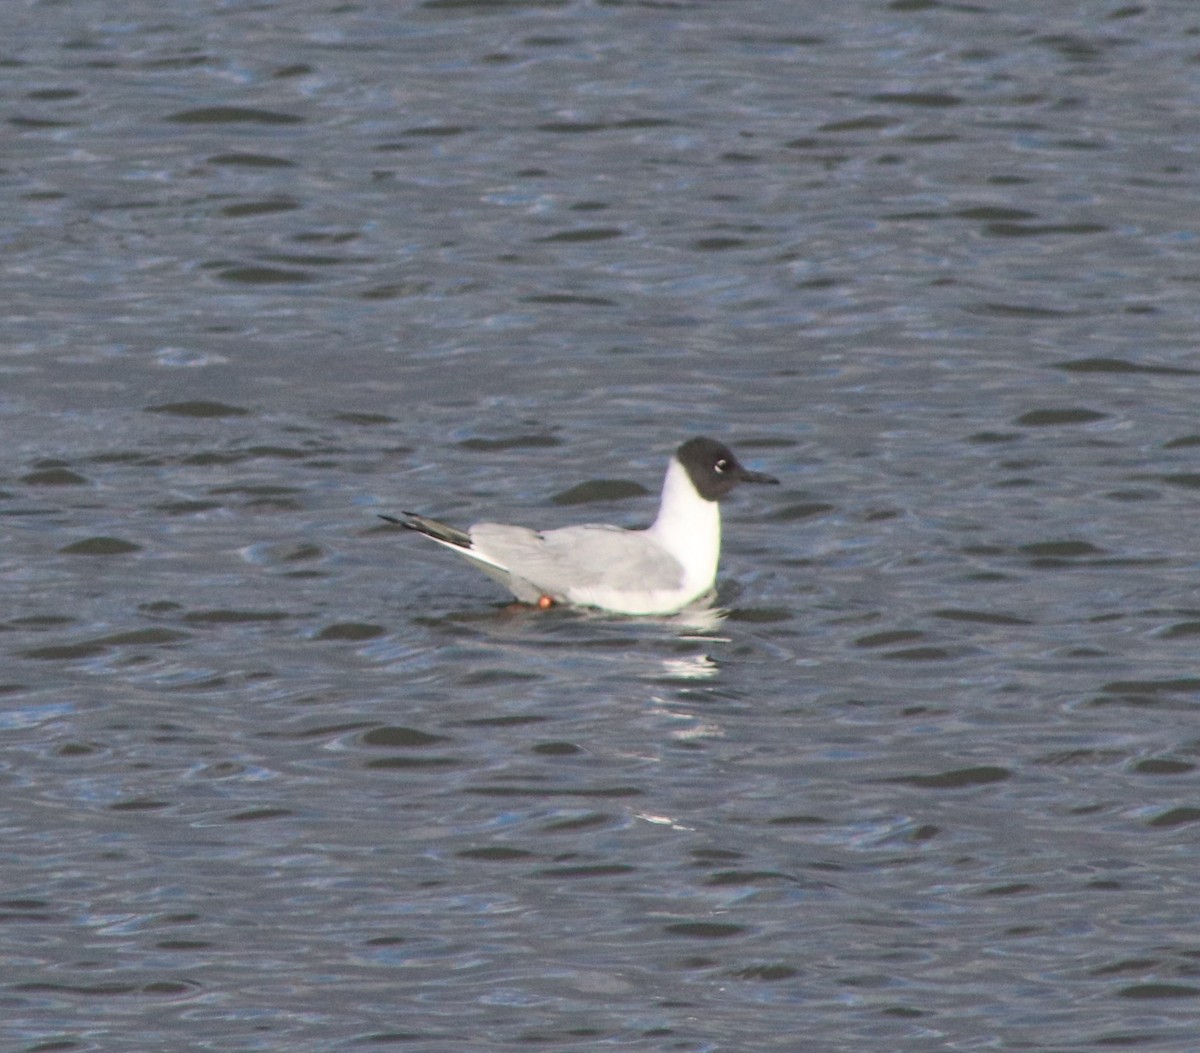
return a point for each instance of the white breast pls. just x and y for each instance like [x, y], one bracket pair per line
[689, 527]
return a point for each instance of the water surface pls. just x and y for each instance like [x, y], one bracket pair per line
[276, 776]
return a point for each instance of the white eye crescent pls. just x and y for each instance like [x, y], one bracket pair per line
[721, 465]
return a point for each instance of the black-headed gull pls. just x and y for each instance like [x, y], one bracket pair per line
[659, 570]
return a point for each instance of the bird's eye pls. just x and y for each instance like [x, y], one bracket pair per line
[721, 465]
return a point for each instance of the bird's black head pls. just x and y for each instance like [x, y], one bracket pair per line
[713, 468]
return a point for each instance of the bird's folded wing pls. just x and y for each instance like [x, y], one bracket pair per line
[558, 561]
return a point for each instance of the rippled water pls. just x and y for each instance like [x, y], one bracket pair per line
[276, 776]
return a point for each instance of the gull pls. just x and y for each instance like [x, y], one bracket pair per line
[660, 570]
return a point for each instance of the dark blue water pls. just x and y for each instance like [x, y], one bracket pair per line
[276, 776]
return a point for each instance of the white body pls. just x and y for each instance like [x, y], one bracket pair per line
[654, 571]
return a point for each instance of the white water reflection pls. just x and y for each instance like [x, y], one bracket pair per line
[691, 667]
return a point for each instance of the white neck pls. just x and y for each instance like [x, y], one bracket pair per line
[689, 527]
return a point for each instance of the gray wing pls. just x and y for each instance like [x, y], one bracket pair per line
[559, 561]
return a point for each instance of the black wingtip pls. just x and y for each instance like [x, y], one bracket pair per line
[409, 522]
[432, 528]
